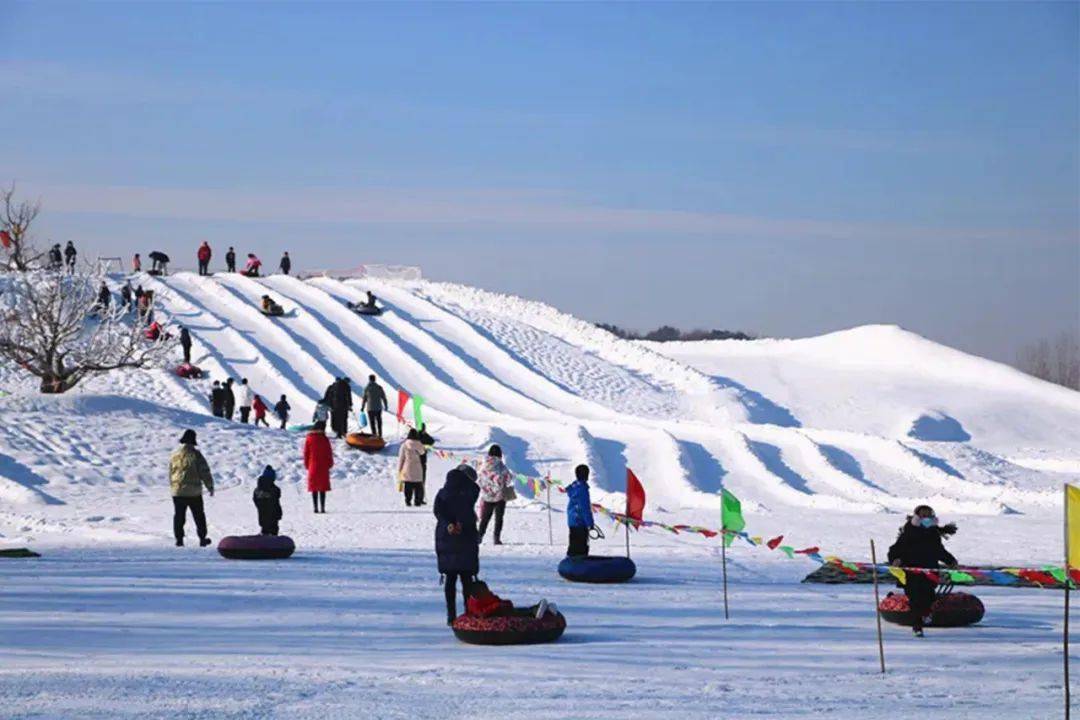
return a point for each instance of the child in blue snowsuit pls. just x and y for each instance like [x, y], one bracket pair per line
[579, 512]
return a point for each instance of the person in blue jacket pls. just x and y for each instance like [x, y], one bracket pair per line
[579, 512]
[457, 543]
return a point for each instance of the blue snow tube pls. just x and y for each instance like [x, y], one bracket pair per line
[597, 569]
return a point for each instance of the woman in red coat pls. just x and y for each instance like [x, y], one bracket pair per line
[318, 459]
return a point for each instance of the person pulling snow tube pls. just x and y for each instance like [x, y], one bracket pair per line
[509, 630]
[597, 569]
[256, 547]
[950, 609]
[364, 441]
[187, 370]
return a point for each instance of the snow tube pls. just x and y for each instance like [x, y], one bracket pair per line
[187, 370]
[954, 609]
[363, 441]
[275, 311]
[367, 310]
[509, 630]
[256, 547]
[301, 428]
[597, 569]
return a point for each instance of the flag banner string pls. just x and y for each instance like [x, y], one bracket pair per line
[1051, 575]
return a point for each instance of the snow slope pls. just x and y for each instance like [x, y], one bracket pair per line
[827, 440]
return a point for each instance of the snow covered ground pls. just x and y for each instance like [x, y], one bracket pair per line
[827, 440]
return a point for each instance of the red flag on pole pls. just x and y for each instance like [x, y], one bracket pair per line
[402, 401]
[5, 238]
[635, 496]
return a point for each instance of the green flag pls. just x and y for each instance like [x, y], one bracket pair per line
[731, 515]
[418, 415]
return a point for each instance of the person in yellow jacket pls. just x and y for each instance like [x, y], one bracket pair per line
[188, 474]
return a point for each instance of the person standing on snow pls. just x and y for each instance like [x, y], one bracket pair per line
[340, 405]
[56, 257]
[104, 299]
[230, 260]
[204, 258]
[185, 343]
[496, 487]
[244, 399]
[318, 459]
[267, 499]
[286, 264]
[918, 545]
[456, 540]
[281, 409]
[410, 469]
[322, 413]
[126, 296]
[217, 400]
[375, 401]
[70, 255]
[229, 406]
[136, 263]
[428, 442]
[260, 411]
[188, 474]
[579, 515]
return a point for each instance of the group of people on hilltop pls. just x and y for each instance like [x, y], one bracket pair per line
[63, 259]
[252, 268]
[337, 404]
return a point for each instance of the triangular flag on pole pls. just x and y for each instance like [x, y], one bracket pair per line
[731, 516]
[418, 413]
[402, 401]
[635, 496]
[5, 238]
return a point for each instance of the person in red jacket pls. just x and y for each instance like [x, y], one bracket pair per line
[484, 603]
[204, 258]
[260, 411]
[318, 459]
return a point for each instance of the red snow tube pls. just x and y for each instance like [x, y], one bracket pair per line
[954, 609]
[511, 630]
[256, 547]
[187, 370]
[363, 441]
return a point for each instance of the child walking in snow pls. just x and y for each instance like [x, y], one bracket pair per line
[267, 499]
[260, 411]
[282, 411]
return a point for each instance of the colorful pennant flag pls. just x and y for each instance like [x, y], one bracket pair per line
[402, 401]
[1072, 515]
[418, 411]
[5, 239]
[731, 518]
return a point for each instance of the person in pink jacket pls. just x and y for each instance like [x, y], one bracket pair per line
[251, 269]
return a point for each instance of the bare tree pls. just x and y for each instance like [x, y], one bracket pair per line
[1056, 362]
[15, 221]
[56, 328]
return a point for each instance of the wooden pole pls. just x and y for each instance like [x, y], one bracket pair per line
[877, 611]
[1065, 644]
[551, 533]
[723, 566]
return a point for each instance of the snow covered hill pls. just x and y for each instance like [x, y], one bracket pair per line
[858, 425]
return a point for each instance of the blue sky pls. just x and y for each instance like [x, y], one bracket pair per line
[787, 169]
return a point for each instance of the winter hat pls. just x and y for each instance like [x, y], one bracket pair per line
[268, 474]
[188, 438]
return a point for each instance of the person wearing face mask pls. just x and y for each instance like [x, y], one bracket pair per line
[919, 545]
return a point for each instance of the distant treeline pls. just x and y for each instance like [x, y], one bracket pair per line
[667, 333]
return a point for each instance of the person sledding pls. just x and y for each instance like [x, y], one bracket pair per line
[919, 545]
[251, 268]
[270, 307]
[483, 603]
[155, 332]
[267, 499]
[368, 307]
[579, 516]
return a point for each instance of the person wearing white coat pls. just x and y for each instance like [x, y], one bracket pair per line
[244, 399]
[411, 469]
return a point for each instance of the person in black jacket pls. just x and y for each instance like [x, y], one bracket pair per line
[285, 264]
[340, 405]
[126, 297]
[70, 254]
[267, 499]
[281, 409]
[230, 260]
[185, 343]
[456, 540]
[217, 400]
[919, 545]
[229, 406]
